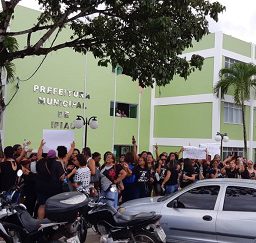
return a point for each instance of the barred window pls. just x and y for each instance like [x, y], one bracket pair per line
[229, 62]
[232, 151]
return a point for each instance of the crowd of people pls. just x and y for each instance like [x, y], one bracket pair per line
[134, 175]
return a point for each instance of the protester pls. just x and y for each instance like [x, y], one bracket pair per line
[82, 176]
[112, 175]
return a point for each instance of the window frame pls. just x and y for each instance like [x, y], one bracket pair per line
[243, 188]
[232, 108]
[129, 104]
[170, 203]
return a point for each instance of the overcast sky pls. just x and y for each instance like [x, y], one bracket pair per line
[239, 19]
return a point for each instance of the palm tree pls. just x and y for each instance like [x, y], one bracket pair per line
[239, 77]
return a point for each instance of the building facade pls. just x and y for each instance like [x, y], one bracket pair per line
[68, 84]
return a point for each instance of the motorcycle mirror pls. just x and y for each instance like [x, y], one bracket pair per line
[19, 173]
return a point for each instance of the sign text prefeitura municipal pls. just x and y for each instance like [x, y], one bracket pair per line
[61, 101]
[60, 92]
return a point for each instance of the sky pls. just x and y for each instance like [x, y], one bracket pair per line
[239, 19]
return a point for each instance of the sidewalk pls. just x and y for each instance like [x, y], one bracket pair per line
[92, 237]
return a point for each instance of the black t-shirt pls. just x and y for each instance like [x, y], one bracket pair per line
[232, 173]
[48, 180]
[188, 172]
[142, 175]
[217, 171]
[162, 173]
[112, 172]
[8, 174]
[173, 178]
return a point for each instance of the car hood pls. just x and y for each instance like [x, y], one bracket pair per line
[147, 204]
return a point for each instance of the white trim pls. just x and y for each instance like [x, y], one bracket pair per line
[236, 56]
[188, 99]
[139, 120]
[177, 142]
[216, 104]
[206, 53]
[230, 99]
[152, 119]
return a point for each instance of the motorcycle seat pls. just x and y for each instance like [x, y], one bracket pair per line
[130, 220]
[30, 224]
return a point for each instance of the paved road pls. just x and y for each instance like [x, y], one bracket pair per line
[92, 237]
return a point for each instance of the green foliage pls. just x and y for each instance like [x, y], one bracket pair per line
[145, 37]
[240, 76]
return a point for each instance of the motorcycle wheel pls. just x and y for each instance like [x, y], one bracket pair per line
[82, 230]
[15, 232]
[145, 237]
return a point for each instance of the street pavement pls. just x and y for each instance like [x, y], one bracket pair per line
[92, 237]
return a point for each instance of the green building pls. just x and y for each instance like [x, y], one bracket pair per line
[182, 113]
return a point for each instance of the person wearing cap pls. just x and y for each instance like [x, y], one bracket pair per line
[50, 176]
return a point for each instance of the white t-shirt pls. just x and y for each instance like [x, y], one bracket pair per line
[83, 178]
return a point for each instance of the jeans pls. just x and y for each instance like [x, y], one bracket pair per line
[111, 195]
[171, 189]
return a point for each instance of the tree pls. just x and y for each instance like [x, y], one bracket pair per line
[145, 37]
[240, 79]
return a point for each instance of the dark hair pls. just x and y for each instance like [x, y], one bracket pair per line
[78, 151]
[172, 165]
[149, 153]
[8, 152]
[87, 151]
[15, 147]
[129, 158]
[81, 159]
[95, 154]
[106, 154]
[175, 154]
[62, 151]
[188, 164]
[146, 164]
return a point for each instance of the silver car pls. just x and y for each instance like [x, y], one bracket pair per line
[214, 210]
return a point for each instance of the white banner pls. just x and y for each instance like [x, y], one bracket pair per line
[212, 148]
[192, 152]
[55, 138]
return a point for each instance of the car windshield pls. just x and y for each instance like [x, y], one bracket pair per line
[164, 198]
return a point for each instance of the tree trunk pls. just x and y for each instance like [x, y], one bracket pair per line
[244, 130]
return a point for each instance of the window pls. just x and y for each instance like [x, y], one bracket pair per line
[232, 113]
[236, 151]
[121, 149]
[202, 198]
[229, 62]
[240, 199]
[124, 110]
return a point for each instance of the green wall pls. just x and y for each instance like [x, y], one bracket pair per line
[183, 121]
[199, 82]
[206, 42]
[235, 45]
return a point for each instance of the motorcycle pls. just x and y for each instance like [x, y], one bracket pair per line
[63, 222]
[116, 227]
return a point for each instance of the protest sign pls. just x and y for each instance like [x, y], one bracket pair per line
[192, 152]
[212, 148]
[55, 138]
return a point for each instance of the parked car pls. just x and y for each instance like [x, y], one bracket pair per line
[214, 210]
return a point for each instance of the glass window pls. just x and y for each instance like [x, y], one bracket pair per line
[229, 62]
[232, 150]
[232, 113]
[124, 110]
[121, 149]
[240, 199]
[202, 198]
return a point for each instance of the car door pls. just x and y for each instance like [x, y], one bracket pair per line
[191, 216]
[236, 219]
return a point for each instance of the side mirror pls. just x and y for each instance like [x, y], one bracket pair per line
[19, 173]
